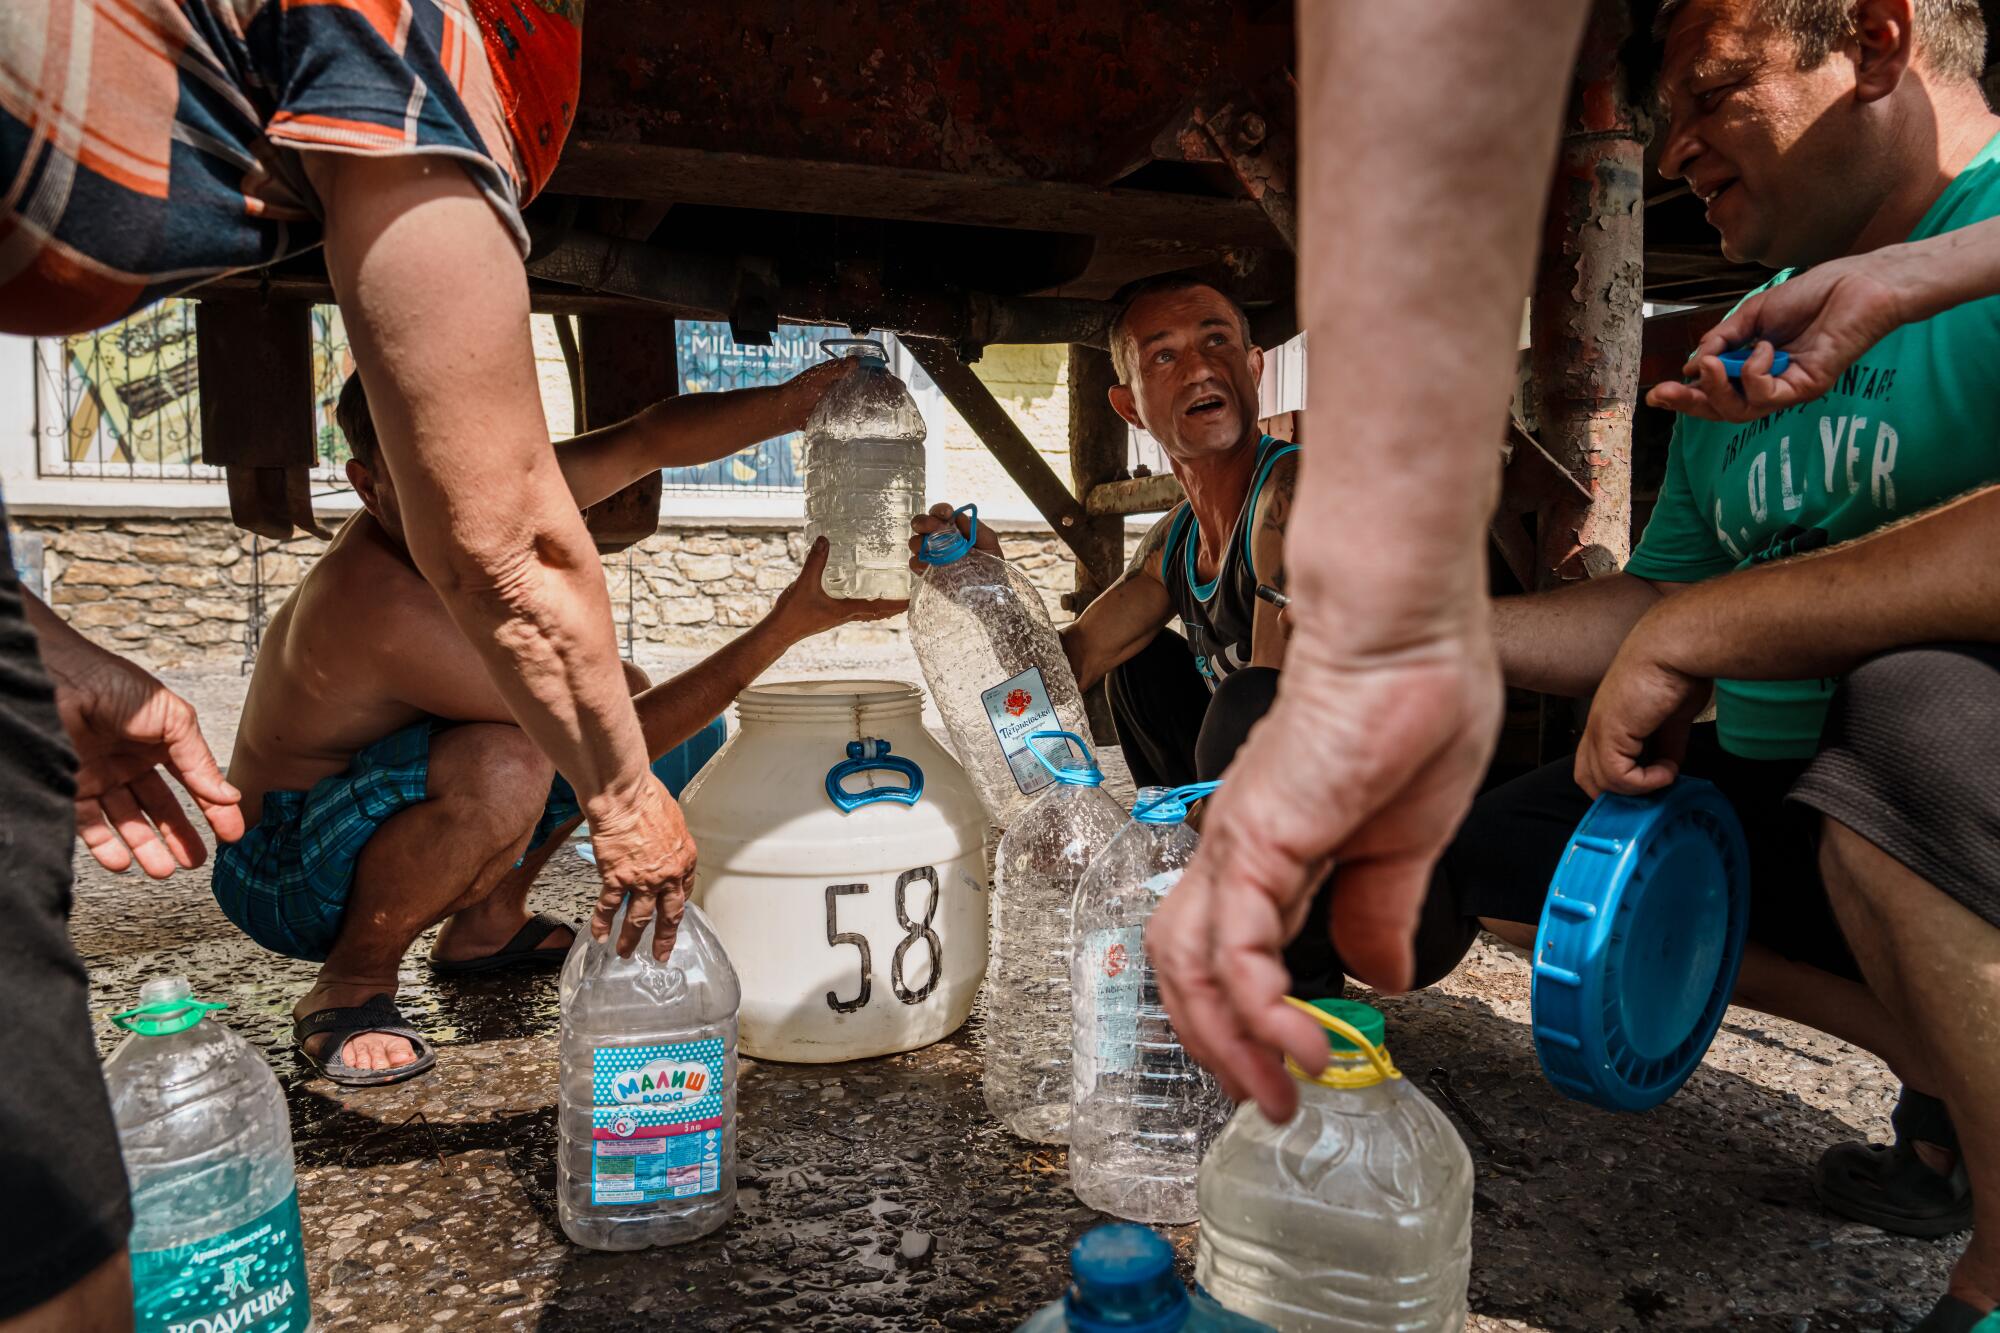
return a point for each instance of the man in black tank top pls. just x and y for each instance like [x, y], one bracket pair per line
[1184, 704]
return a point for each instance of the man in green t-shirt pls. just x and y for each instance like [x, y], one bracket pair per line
[1837, 129]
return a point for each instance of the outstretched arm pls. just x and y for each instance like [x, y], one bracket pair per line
[126, 727]
[1390, 699]
[1826, 317]
[1932, 579]
[675, 709]
[1122, 620]
[692, 429]
[436, 302]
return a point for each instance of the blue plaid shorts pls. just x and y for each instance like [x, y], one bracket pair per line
[286, 882]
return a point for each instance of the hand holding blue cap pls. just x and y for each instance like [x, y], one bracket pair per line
[1639, 945]
[1734, 359]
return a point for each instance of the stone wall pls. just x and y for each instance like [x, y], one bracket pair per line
[175, 592]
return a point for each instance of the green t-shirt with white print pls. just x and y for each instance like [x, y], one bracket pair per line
[1913, 423]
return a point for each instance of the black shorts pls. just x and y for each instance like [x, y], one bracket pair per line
[1500, 864]
[1910, 760]
[67, 1209]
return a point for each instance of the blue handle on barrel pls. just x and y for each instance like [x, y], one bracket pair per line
[869, 756]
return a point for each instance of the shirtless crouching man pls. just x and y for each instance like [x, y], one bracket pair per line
[385, 785]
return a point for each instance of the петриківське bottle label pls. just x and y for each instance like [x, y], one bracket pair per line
[1018, 708]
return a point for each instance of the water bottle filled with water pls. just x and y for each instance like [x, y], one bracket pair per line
[995, 668]
[1042, 859]
[208, 1149]
[1356, 1214]
[864, 472]
[1142, 1111]
[647, 1112]
[1122, 1280]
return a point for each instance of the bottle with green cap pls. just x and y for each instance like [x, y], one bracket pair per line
[1142, 1112]
[1356, 1214]
[208, 1148]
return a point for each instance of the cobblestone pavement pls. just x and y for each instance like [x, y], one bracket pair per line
[431, 1206]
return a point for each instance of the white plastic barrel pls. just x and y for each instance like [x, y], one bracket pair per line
[846, 879]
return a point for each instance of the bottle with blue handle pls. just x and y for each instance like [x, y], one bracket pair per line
[995, 667]
[1042, 859]
[1142, 1112]
[1122, 1280]
[208, 1146]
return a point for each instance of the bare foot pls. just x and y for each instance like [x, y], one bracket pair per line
[366, 1050]
[472, 934]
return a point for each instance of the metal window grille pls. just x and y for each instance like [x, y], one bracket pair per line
[123, 403]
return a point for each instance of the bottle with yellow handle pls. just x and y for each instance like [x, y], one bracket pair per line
[1356, 1214]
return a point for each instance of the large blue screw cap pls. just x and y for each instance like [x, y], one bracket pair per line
[1122, 1280]
[1640, 940]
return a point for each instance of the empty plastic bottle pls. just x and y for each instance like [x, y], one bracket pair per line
[995, 668]
[864, 470]
[647, 1113]
[1142, 1112]
[208, 1149]
[1122, 1281]
[1041, 861]
[1353, 1216]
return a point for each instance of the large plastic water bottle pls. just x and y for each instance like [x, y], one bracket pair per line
[1042, 859]
[864, 466]
[1142, 1112]
[1122, 1281]
[1353, 1216]
[647, 1112]
[995, 668]
[208, 1148]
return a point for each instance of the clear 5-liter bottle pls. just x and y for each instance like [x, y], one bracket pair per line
[1042, 859]
[864, 466]
[995, 668]
[1122, 1281]
[1142, 1111]
[1353, 1216]
[208, 1148]
[647, 1113]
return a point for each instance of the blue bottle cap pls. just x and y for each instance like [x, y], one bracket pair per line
[1733, 359]
[1122, 1281]
[1640, 940]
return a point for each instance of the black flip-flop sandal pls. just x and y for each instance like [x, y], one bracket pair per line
[517, 952]
[1890, 1186]
[378, 1014]
[1950, 1315]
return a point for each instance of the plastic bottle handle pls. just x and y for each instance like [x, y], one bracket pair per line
[1185, 796]
[1333, 1076]
[947, 545]
[163, 1018]
[1089, 777]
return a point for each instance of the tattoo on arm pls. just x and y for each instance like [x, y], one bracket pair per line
[1150, 546]
[1277, 501]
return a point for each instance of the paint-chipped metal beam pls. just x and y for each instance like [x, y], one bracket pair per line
[1153, 494]
[967, 393]
[969, 320]
[1587, 312]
